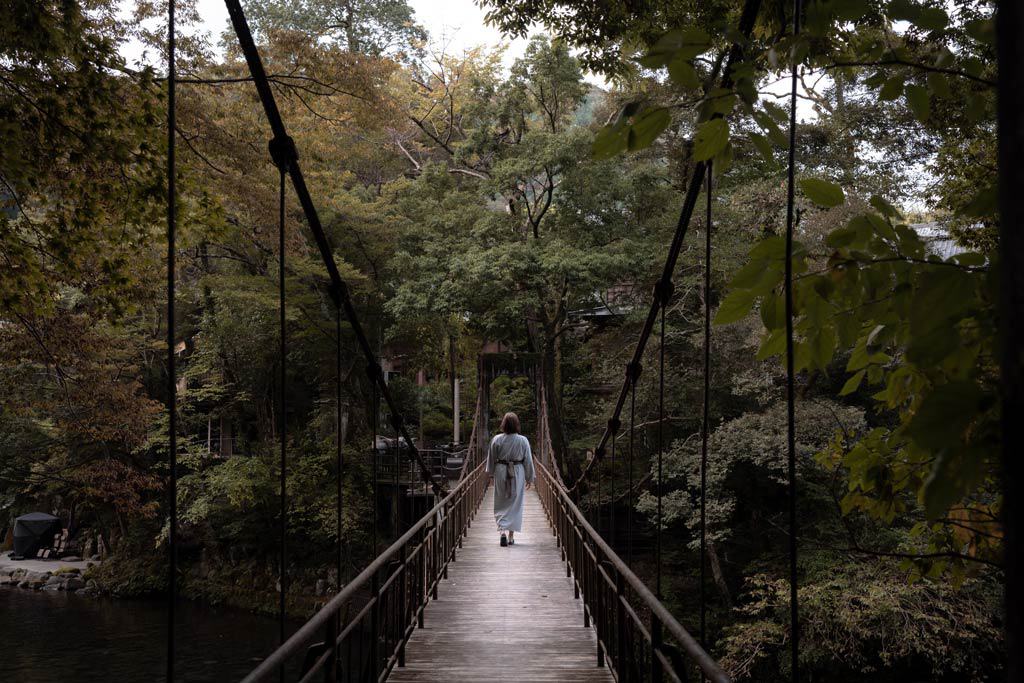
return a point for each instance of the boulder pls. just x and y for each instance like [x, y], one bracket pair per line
[54, 581]
[36, 577]
[74, 584]
[50, 587]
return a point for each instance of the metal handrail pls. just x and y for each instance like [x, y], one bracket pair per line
[400, 582]
[638, 651]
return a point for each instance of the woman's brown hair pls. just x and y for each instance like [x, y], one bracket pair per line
[510, 423]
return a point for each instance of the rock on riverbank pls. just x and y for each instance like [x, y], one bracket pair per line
[70, 579]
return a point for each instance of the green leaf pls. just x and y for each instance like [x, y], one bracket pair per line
[648, 127]
[841, 237]
[770, 249]
[882, 227]
[734, 307]
[942, 296]
[939, 422]
[982, 30]
[772, 345]
[822, 192]
[919, 102]
[932, 19]
[763, 145]
[883, 207]
[892, 89]
[773, 311]
[683, 74]
[609, 141]
[955, 471]
[823, 345]
[939, 85]
[776, 112]
[984, 203]
[853, 383]
[712, 137]
[772, 129]
[677, 44]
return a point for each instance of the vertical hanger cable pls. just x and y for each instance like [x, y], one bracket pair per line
[794, 611]
[661, 436]
[705, 416]
[340, 446]
[172, 388]
[282, 419]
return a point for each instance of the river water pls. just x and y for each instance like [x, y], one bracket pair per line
[60, 637]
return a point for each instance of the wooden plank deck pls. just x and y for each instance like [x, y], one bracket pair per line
[504, 614]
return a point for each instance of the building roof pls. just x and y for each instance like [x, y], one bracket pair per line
[937, 240]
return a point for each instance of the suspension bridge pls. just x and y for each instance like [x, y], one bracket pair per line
[443, 602]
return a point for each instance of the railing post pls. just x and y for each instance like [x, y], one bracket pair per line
[375, 627]
[620, 627]
[403, 605]
[656, 672]
[599, 617]
[434, 550]
[330, 640]
[421, 578]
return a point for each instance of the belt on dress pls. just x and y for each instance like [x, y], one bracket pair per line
[509, 482]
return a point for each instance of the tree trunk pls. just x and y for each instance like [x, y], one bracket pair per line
[716, 573]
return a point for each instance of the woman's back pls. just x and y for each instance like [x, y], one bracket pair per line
[510, 462]
[513, 447]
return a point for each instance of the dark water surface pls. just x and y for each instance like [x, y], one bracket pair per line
[63, 637]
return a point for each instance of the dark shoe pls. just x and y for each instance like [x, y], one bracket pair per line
[504, 541]
[512, 541]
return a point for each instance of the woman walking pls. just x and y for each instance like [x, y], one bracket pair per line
[510, 463]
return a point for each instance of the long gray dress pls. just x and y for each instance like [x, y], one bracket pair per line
[510, 461]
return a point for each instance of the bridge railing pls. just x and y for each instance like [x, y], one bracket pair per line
[635, 632]
[386, 600]
[436, 461]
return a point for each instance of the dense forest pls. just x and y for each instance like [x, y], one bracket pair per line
[469, 202]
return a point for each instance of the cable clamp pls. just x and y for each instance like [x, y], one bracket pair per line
[283, 152]
[374, 371]
[339, 293]
[633, 370]
[663, 290]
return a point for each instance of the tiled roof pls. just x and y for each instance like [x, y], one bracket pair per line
[937, 240]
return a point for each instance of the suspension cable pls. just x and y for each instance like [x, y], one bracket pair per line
[794, 610]
[746, 25]
[172, 388]
[338, 290]
[705, 417]
[282, 418]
